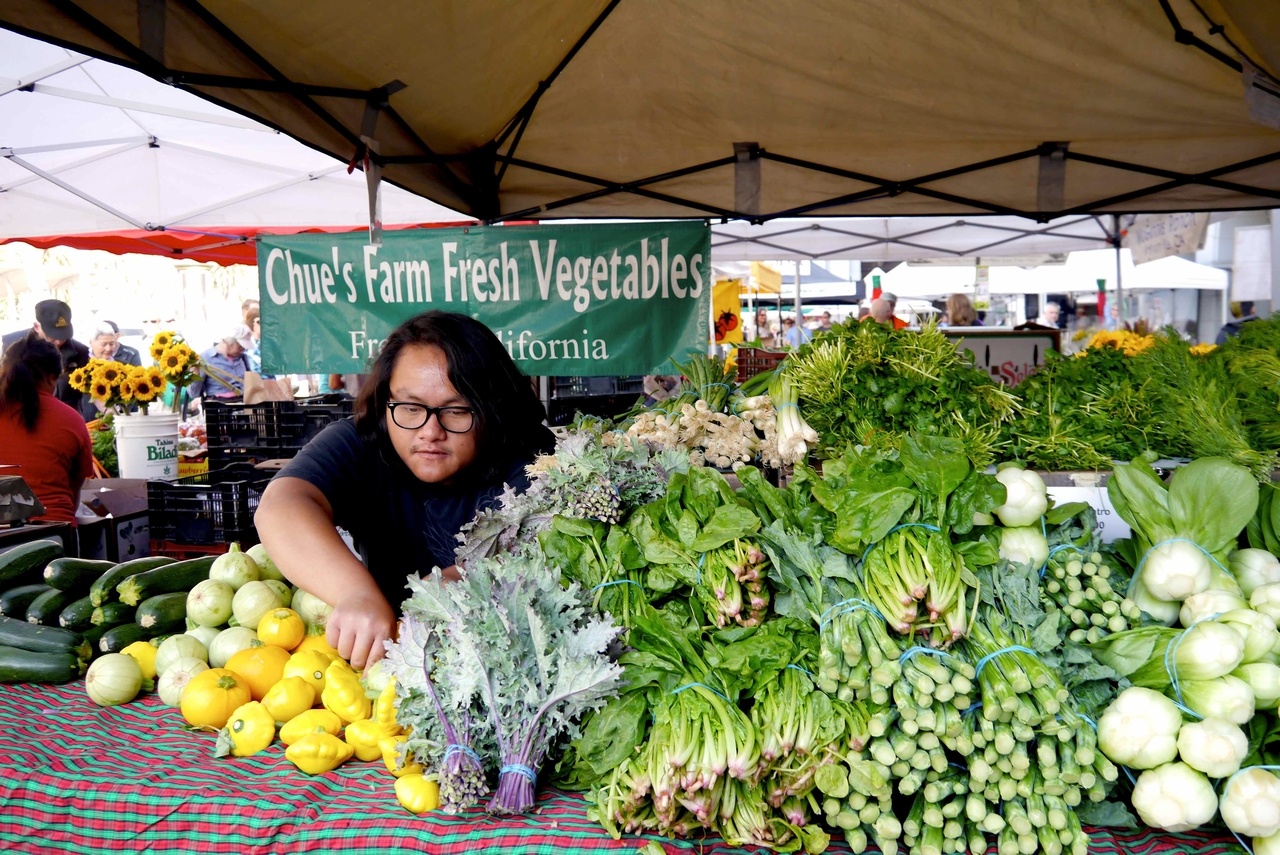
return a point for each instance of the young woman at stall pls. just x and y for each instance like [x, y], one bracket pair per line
[445, 420]
[42, 437]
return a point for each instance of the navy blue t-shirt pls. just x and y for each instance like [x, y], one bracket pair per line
[402, 525]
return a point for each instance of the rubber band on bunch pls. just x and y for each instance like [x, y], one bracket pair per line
[846, 607]
[618, 582]
[1171, 668]
[713, 691]
[1137, 574]
[724, 386]
[521, 770]
[898, 527]
[1061, 547]
[804, 671]
[458, 748]
[920, 650]
[986, 660]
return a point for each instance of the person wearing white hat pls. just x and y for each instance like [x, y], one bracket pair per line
[892, 299]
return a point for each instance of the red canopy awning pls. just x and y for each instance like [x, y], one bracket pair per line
[230, 245]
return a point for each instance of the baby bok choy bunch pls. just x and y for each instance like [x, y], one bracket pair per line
[920, 585]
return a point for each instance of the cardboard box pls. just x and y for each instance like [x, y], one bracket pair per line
[113, 521]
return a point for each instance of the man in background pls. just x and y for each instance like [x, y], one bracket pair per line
[1232, 327]
[105, 344]
[225, 382]
[53, 324]
[793, 334]
[1049, 316]
[825, 325]
[892, 299]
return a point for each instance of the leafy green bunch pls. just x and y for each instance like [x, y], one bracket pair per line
[1081, 412]
[866, 384]
[583, 479]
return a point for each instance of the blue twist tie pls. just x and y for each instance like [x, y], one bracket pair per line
[458, 748]
[521, 770]
[714, 385]
[702, 685]
[618, 582]
[971, 709]
[1137, 574]
[912, 652]
[1015, 648]
[805, 671]
[845, 607]
[1171, 668]
[1059, 548]
[702, 561]
[785, 404]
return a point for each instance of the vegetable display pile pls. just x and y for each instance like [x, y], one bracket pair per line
[1127, 394]
[867, 384]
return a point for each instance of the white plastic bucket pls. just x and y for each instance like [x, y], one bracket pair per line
[147, 446]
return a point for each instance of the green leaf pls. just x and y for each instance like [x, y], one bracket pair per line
[727, 523]
[574, 527]
[1141, 500]
[864, 518]
[1059, 514]
[1211, 501]
[978, 493]
[1106, 814]
[832, 780]
[613, 732]
[937, 465]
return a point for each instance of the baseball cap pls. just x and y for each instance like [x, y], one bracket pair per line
[54, 317]
[890, 296]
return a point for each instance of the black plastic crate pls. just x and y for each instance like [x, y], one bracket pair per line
[284, 423]
[250, 455]
[212, 508]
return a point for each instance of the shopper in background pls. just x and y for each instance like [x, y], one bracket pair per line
[960, 312]
[226, 381]
[1049, 316]
[882, 311]
[825, 325]
[105, 344]
[794, 334]
[444, 423]
[764, 330]
[53, 324]
[243, 332]
[42, 437]
[892, 299]
[1232, 327]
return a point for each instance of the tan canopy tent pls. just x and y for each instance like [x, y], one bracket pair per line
[720, 108]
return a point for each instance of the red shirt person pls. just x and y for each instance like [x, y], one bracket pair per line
[44, 438]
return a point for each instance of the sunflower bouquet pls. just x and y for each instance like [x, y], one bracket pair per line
[117, 386]
[177, 360]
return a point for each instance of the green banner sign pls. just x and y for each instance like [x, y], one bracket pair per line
[589, 300]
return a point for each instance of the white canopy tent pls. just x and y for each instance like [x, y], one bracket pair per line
[88, 147]
[1080, 274]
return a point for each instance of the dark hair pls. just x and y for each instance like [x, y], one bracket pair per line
[1246, 308]
[509, 415]
[28, 363]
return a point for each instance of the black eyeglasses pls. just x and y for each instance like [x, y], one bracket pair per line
[414, 416]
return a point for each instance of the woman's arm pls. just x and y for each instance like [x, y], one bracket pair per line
[295, 522]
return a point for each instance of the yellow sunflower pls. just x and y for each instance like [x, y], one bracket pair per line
[125, 389]
[155, 378]
[1203, 349]
[109, 373]
[163, 339]
[157, 351]
[173, 360]
[79, 379]
[100, 390]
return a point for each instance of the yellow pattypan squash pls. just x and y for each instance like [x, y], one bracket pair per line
[249, 730]
[343, 694]
[317, 753]
[310, 665]
[289, 698]
[364, 736]
[417, 792]
[311, 721]
[396, 757]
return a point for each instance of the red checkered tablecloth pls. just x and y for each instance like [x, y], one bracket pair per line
[81, 779]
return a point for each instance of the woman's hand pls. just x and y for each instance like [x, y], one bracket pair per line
[358, 627]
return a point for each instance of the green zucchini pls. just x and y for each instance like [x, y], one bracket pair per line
[45, 608]
[119, 637]
[14, 601]
[41, 639]
[93, 635]
[104, 589]
[28, 666]
[77, 614]
[25, 562]
[74, 575]
[163, 613]
[182, 576]
[112, 614]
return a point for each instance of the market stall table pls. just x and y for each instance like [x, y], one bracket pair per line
[78, 778]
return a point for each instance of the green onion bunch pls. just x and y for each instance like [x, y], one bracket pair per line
[1080, 586]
